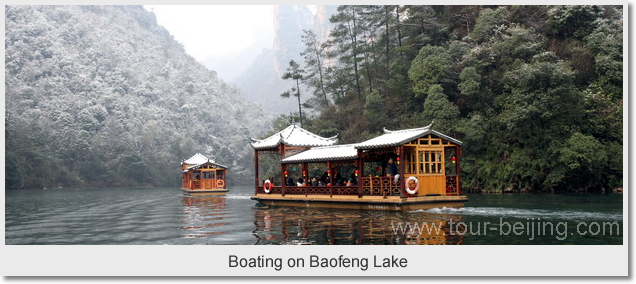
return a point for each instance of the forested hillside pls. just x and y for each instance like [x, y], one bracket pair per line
[534, 92]
[103, 96]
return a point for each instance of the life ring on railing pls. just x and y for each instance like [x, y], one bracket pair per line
[408, 187]
[220, 183]
[267, 186]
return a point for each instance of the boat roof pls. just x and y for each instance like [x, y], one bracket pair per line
[294, 136]
[199, 160]
[196, 159]
[324, 153]
[398, 137]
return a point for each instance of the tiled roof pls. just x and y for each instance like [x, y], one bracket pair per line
[293, 136]
[199, 160]
[398, 137]
[325, 153]
[196, 159]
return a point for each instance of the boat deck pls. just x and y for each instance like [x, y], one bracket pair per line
[389, 203]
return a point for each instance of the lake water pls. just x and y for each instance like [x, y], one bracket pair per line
[158, 216]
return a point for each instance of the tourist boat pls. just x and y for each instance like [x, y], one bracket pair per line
[202, 175]
[316, 172]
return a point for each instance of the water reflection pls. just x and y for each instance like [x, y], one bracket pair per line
[287, 225]
[203, 216]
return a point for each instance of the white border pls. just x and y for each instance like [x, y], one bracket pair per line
[476, 260]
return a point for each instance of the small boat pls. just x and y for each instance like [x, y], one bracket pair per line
[401, 170]
[202, 175]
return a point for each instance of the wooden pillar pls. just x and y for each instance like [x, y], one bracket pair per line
[401, 168]
[359, 167]
[283, 168]
[256, 178]
[457, 168]
[306, 177]
[330, 178]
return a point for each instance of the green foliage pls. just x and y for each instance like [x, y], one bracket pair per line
[488, 23]
[470, 81]
[534, 92]
[437, 108]
[606, 41]
[428, 68]
[573, 20]
[295, 73]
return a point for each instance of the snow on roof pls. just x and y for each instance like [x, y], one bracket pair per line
[199, 160]
[196, 159]
[324, 153]
[398, 137]
[294, 136]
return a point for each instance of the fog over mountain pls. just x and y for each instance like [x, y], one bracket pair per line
[262, 82]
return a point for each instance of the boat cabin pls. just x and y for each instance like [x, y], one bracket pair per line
[417, 165]
[201, 174]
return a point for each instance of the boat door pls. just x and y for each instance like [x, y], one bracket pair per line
[430, 171]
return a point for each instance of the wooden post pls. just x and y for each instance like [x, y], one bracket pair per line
[330, 178]
[401, 168]
[283, 168]
[306, 177]
[457, 168]
[256, 178]
[359, 177]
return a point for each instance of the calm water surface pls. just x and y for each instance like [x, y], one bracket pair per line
[160, 216]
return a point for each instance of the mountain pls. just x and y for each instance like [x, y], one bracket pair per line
[104, 96]
[262, 81]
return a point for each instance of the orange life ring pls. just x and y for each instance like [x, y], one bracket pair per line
[267, 186]
[417, 185]
[220, 183]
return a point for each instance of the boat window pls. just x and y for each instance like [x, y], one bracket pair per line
[410, 161]
[430, 162]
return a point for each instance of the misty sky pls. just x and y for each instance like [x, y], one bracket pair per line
[225, 38]
[209, 31]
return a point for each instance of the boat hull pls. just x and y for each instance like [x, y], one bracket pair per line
[391, 203]
[218, 191]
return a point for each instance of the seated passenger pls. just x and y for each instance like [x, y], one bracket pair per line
[301, 182]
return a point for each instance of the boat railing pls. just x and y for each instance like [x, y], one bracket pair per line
[191, 184]
[371, 186]
[452, 185]
[306, 190]
[382, 186]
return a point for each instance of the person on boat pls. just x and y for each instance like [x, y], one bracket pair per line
[290, 182]
[392, 171]
[314, 181]
[337, 179]
[301, 182]
[324, 178]
[352, 179]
